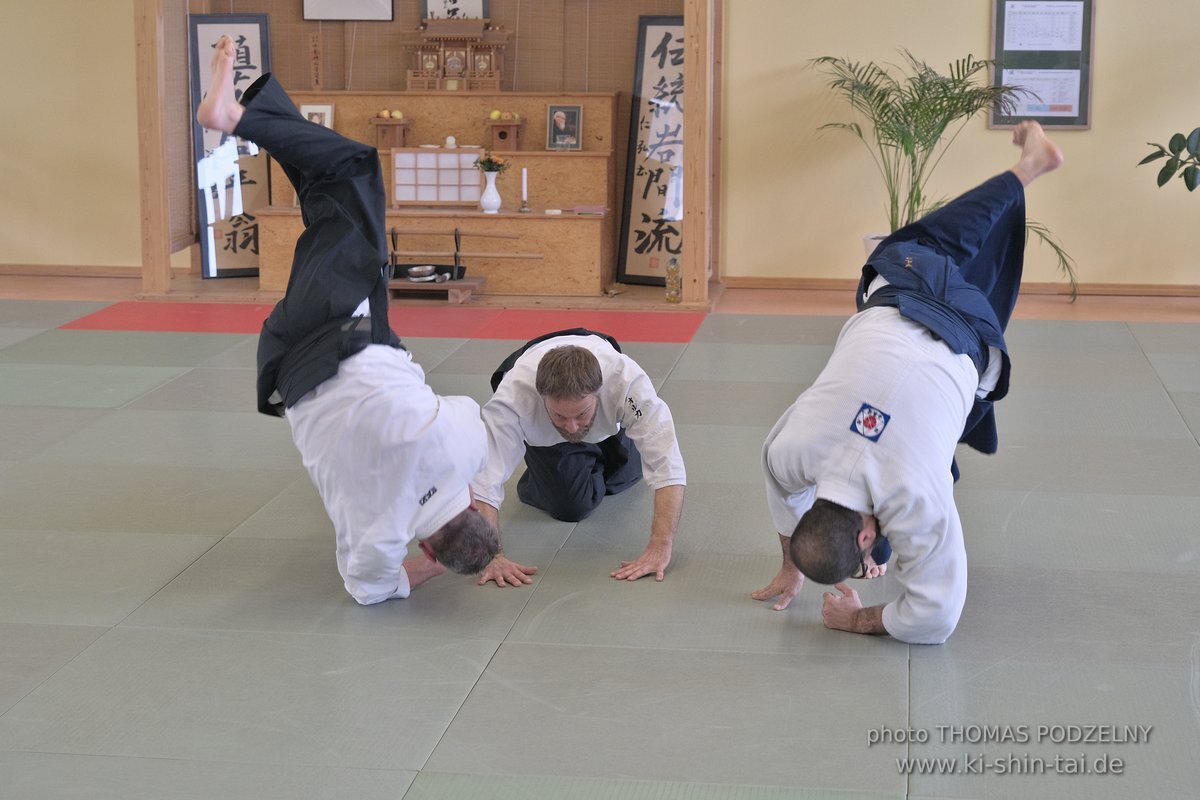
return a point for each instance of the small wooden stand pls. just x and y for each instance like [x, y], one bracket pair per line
[505, 133]
[458, 291]
[389, 133]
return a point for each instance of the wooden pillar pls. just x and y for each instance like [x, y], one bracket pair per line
[155, 222]
[700, 20]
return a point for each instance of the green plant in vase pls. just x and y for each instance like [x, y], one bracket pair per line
[914, 115]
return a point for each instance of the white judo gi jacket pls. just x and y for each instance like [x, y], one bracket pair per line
[392, 462]
[515, 416]
[876, 433]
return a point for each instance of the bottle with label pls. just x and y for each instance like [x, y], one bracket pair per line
[674, 281]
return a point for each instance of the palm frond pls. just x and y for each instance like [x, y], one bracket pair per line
[915, 115]
[1066, 264]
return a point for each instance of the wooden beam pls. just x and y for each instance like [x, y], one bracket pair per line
[417, 232]
[698, 27]
[716, 137]
[463, 254]
[152, 151]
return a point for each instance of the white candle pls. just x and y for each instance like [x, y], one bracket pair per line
[524, 185]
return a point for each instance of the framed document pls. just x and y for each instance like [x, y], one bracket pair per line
[1044, 47]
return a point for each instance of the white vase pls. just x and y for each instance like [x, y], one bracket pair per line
[489, 201]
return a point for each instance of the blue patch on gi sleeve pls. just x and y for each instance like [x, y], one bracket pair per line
[869, 422]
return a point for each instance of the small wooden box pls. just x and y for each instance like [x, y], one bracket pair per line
[505, 133]
[390, 133]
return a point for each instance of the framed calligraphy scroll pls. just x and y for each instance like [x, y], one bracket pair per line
[652, 222]
[454, 9]
[229, 247]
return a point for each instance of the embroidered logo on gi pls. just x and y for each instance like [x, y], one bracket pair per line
[425, 499]
[870, 422]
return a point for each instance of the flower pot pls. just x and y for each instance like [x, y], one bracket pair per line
[871, 241]
[489, 201]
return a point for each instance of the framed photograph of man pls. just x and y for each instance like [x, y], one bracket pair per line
[564, 127]
[320, 113]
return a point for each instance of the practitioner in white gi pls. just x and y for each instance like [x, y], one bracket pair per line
[588, 422]
[391, 460]
[865, 456]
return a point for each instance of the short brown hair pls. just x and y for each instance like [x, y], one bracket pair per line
[567, 373]
[824, 545]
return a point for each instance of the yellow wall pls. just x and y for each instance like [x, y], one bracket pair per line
[69, 143]
[796, 203]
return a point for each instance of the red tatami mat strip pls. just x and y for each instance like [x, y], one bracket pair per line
[175, 318]
[449, 322]
[442, 321]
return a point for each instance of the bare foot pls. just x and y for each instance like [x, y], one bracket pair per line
[220, 109]
[1039, 155]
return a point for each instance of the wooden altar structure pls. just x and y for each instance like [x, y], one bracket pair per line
[457, 55]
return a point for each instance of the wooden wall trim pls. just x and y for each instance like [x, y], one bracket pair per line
[69, 271]
[155, 204]
[716, 133]
[1097, 289]
[697, 152]
[810, 284]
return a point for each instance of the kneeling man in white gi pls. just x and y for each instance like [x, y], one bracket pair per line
[589, 424]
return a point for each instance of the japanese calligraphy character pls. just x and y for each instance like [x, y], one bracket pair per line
[658, 238]
[663, 50]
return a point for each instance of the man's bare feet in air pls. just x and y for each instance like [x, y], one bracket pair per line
[220, 109]
[1039, 155]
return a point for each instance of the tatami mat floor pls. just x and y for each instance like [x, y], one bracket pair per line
[172, 624]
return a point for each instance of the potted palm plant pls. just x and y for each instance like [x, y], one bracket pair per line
[1183, 159]
[914, 118]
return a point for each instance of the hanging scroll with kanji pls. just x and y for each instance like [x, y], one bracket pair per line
[652, 223]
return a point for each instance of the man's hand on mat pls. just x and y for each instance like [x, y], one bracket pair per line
[838, 610]
[785, 585]
[653, 561]
[845, 612]
[506, 573]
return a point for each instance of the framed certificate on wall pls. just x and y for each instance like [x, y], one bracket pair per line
[1044, 47]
